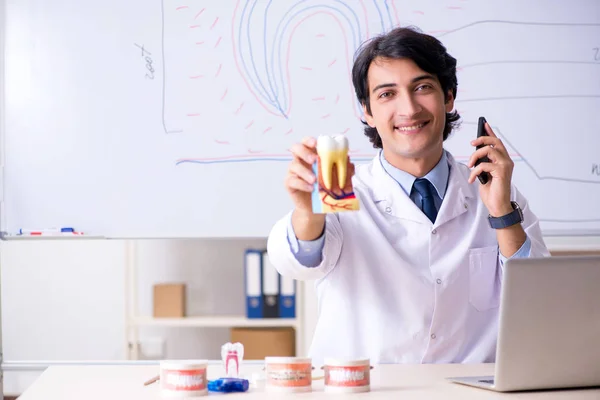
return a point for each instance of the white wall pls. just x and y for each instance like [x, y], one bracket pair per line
[65, 300]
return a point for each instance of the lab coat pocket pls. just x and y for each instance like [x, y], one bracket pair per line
[484, 283]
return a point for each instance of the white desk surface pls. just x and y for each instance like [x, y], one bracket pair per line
[92, 382]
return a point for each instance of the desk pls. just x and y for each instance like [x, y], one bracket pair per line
[92, 382]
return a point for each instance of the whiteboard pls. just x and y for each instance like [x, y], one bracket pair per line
[173, 118]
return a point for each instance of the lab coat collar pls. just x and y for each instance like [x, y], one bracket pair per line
[392, 200]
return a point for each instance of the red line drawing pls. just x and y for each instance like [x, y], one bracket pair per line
[306, 68]
[218, 70]
[418, 12]
[333, 62]
[200, 13]
[214, 23]
[318, 98]
[250, 124]
[337, 99]
[194, 115]
[196, 76]
[222, 141]
[320, 35]
[224, 94]
[199, 42]
[239, 109]
[289, 49]
[454, 8]
[218, 41]
[396, 13]
[326, 116]
[195, 26]
[267, 130]
[345, 130]
[254, 151]
[288, 132]
[181, 7]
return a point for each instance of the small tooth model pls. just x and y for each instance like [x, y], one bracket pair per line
[333, 190]
[232, 355]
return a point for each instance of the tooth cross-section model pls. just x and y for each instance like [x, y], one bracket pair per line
[333, 191]
[333, 150]
[232, 355]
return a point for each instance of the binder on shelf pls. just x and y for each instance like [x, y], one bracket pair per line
[253, 281]
[287, 297]
[270, 288]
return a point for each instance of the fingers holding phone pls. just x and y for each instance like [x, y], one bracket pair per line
[492, 166]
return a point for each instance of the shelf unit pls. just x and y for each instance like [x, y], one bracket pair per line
[134, 321]
[216, 322]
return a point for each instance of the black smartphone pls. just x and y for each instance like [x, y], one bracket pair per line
[484, 177]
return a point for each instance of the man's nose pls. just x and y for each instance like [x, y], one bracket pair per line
[407, 106]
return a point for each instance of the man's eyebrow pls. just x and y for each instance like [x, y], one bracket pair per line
[383, 85]
[413, 80]
[422, 77]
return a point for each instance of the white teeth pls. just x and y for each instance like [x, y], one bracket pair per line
[333, 150]
[410, 128]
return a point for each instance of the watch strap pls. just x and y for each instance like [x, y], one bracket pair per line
[512, 218]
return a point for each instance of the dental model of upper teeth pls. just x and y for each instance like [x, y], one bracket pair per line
[232, 355]
[333, 150]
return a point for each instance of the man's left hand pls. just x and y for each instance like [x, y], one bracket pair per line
[496, 193]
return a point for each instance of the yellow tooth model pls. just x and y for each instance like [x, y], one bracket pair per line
[333, 194]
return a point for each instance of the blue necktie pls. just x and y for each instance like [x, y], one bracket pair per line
[425, 189]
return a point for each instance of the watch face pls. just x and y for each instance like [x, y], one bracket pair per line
[516, 207]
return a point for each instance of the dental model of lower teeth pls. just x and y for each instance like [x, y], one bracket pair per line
[333, 151]
[331, 195]
[232, 355]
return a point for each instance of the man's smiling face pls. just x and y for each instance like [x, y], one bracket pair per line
[408, 108]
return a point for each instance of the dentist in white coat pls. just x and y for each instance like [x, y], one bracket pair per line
[414, 276]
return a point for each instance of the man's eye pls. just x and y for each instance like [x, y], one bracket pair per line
[425, 86]
[385, 94]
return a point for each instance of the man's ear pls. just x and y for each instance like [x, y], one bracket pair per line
[449, 101]
[368, 117]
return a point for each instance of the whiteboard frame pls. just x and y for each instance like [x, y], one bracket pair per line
[2, 131]
[2, 105]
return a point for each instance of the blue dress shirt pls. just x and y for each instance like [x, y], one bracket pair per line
[308, 252]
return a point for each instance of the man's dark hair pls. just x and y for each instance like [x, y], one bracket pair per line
[407, 42]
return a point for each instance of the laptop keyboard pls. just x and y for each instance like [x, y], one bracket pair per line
[490, 381]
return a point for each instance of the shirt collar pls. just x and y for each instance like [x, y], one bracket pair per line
[438, 176]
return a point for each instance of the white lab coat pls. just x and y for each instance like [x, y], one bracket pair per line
[396, 288]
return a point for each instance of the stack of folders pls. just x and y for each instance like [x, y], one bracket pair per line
[268, 294]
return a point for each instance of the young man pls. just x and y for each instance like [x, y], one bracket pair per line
[414, 276]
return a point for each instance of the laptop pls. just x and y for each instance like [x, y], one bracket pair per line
[549, 326]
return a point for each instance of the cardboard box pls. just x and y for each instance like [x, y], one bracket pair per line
[265, 342]
[169, 300]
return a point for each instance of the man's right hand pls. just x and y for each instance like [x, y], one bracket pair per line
[300, 178]
[299, 183]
